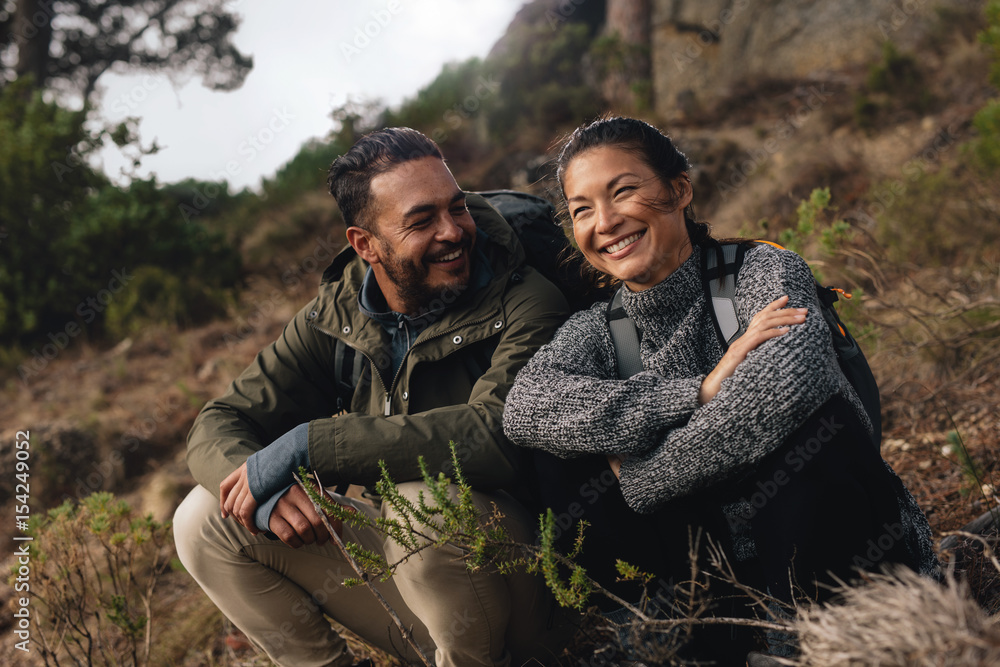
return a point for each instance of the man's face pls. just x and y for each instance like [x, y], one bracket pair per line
[421, 248]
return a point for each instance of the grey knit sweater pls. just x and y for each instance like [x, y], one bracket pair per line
[568, 398]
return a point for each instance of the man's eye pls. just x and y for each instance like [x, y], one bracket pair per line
[460, 210]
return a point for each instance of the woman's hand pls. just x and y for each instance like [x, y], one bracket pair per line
[616, 461]
[772, 321]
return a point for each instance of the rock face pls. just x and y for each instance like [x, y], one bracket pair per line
[702, 49]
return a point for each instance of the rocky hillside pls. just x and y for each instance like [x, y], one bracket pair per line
[771, 100]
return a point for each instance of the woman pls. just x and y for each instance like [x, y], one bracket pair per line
[699, 433]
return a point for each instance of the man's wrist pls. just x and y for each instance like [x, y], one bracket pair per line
[270, 469]
[262, 517]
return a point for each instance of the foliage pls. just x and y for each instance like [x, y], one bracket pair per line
[900, 618]
[95, 565]
[460, 91]
[815, 236]
[36, 205]
[611, 57]
[990, 37]
[808, 211]
[826, 241]
[895, 83]
[70, 239]
[446, 514]
[973, 471]
[89, 37]
[306, 172]
[436, 518]
[542, 80]
[986, 148]
[158, 296]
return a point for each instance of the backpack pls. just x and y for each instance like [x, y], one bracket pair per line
[547, 249]
[546, 245]
[720, 291]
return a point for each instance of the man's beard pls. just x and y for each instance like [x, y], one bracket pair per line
[410, 279]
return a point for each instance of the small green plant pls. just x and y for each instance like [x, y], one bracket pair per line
[446, 514]
[95, 565]
[809, 213]
[820, 237]
[973, 472]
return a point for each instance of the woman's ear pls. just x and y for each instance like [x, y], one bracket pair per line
[685, 191]
[364, 244]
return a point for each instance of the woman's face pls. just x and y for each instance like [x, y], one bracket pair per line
[617, 224]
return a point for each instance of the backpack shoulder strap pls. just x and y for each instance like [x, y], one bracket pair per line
[720, 288]
[348, 364]
[625, 337]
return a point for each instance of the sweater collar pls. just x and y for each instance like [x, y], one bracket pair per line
[673, 296]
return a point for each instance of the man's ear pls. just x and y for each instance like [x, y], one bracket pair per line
[364, 244]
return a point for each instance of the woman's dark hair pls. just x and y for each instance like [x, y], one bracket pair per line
[647, 143]
[351, 174]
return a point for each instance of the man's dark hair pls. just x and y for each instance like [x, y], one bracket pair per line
[351, 174]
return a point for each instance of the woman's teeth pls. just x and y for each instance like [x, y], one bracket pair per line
[627, 241]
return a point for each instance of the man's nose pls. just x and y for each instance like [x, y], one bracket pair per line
[448, 230]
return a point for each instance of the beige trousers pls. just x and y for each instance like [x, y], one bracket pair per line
[278, 596]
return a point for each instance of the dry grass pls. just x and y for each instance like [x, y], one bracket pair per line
[900, 619]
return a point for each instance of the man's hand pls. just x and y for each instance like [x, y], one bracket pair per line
[236, 500]
[772, 321]
[295, 521]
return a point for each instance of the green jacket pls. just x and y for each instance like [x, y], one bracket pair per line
[451, 385]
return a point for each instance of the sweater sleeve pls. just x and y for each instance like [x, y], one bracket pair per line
[769, 395]
[568, 400]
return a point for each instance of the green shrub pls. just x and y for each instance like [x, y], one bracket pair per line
[537, 62]
[94, 566]
[895, 83]
[69, 238]
[159, 296]
[986, 147]
[306, 172]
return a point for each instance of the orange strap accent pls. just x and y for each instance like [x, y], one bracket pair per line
[776, 245]
[847, 295]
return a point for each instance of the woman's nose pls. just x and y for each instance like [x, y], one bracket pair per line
[607, 218]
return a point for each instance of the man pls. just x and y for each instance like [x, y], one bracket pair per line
[443, 309]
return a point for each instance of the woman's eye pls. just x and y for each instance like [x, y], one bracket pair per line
[624, 188]
[575, 213]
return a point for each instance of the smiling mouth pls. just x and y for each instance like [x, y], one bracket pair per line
[624, 243]
[449, 257]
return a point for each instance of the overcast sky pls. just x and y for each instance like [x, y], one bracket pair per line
[310, 56]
